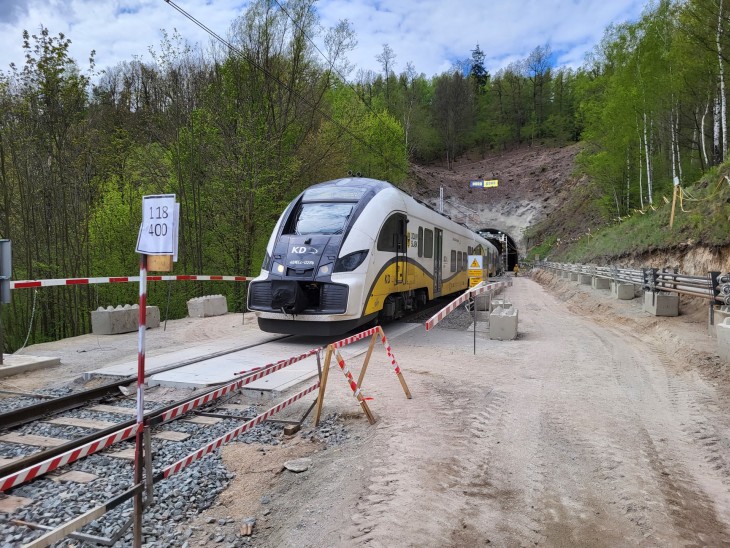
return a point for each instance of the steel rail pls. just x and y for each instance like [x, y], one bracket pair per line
[44, 409]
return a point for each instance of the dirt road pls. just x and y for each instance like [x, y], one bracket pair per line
[578, 433]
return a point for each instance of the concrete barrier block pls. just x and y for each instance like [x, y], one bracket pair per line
[573, 276]
[496, 303]
[624, 292]
[661, 304]
[601, 283]
[586, 279]
[122, 319]
[209, 305]
[483, 301]
[503, 324]
[723, 340]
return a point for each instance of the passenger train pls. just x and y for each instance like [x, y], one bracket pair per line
[350, 251]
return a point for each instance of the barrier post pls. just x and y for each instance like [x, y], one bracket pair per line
[139, 441]
[396, 368]
[355, 388]
[323, 384]
[367, 359]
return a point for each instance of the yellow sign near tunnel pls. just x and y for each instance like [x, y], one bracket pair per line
[476, 266]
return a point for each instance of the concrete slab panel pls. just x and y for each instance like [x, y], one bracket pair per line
[222, 369]
[19, 363]
[207, 421]
[74, 477]
[81, 423]
[10, 504]
[124, 454]
[170, 435]
[114, 409]
[35, 441]
[158, 361]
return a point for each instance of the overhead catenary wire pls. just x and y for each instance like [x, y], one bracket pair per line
[279, 82]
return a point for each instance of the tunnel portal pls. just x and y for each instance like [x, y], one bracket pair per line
[494, 235]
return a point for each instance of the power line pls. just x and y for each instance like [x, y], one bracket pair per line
[278, 81]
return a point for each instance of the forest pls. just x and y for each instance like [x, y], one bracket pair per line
[240, 128]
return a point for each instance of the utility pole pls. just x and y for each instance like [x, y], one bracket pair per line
[441, 199]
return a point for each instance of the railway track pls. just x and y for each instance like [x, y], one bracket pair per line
[52, 428]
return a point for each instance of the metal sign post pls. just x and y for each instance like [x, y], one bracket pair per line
[157, 236]
[5, 275]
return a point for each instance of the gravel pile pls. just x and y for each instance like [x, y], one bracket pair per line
[330, 431]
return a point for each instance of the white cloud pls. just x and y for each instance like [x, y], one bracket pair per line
[431, 34]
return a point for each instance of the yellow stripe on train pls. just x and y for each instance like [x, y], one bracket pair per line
[411, 278]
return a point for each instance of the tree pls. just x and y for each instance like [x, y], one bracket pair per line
[478, 72]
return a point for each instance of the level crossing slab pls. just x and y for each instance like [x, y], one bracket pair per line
[223, 368]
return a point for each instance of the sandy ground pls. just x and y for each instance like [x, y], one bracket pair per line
[598, 426]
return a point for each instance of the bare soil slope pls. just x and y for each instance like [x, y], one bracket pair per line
[533, 182]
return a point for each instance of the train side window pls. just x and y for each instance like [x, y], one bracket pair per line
[453, 260]
[420, 241]
[392, 235]
[471, 250]
[428, 243]
[460, 260]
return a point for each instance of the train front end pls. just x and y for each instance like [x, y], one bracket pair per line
[312, 278]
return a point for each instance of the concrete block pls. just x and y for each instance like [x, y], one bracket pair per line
[601, 283]
[723, 340]
[209, 305]
[622, 291]
[586, 279]
[503, 324]
[573, 276]
[496, 303]
[483, 301]
[122, 319]
[661, 304]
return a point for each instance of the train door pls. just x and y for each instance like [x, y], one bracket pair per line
[392, 238]
[437, 259]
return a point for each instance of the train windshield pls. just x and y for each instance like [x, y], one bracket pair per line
[322, 218]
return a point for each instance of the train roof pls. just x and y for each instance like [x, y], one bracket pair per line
[346, 189]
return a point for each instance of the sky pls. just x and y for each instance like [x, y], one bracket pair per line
[430, 34]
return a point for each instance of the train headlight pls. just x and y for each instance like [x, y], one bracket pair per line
[278, 268]
[350, 261]
[325, 269]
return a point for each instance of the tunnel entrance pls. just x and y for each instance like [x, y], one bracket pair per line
[495, 236]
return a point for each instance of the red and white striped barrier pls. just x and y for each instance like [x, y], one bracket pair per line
[212, 446]
[32, 472]
[24, 284]
[469, 293]
[223, 390]
[348, 375]
[355, 338]
[394, 363]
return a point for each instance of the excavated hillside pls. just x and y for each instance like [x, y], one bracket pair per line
[540, 182]
[533, 183]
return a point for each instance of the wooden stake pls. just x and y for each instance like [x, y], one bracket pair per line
[358, 396]
[323, 385]
[367, 360]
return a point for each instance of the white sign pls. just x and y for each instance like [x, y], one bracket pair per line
[158, 231]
